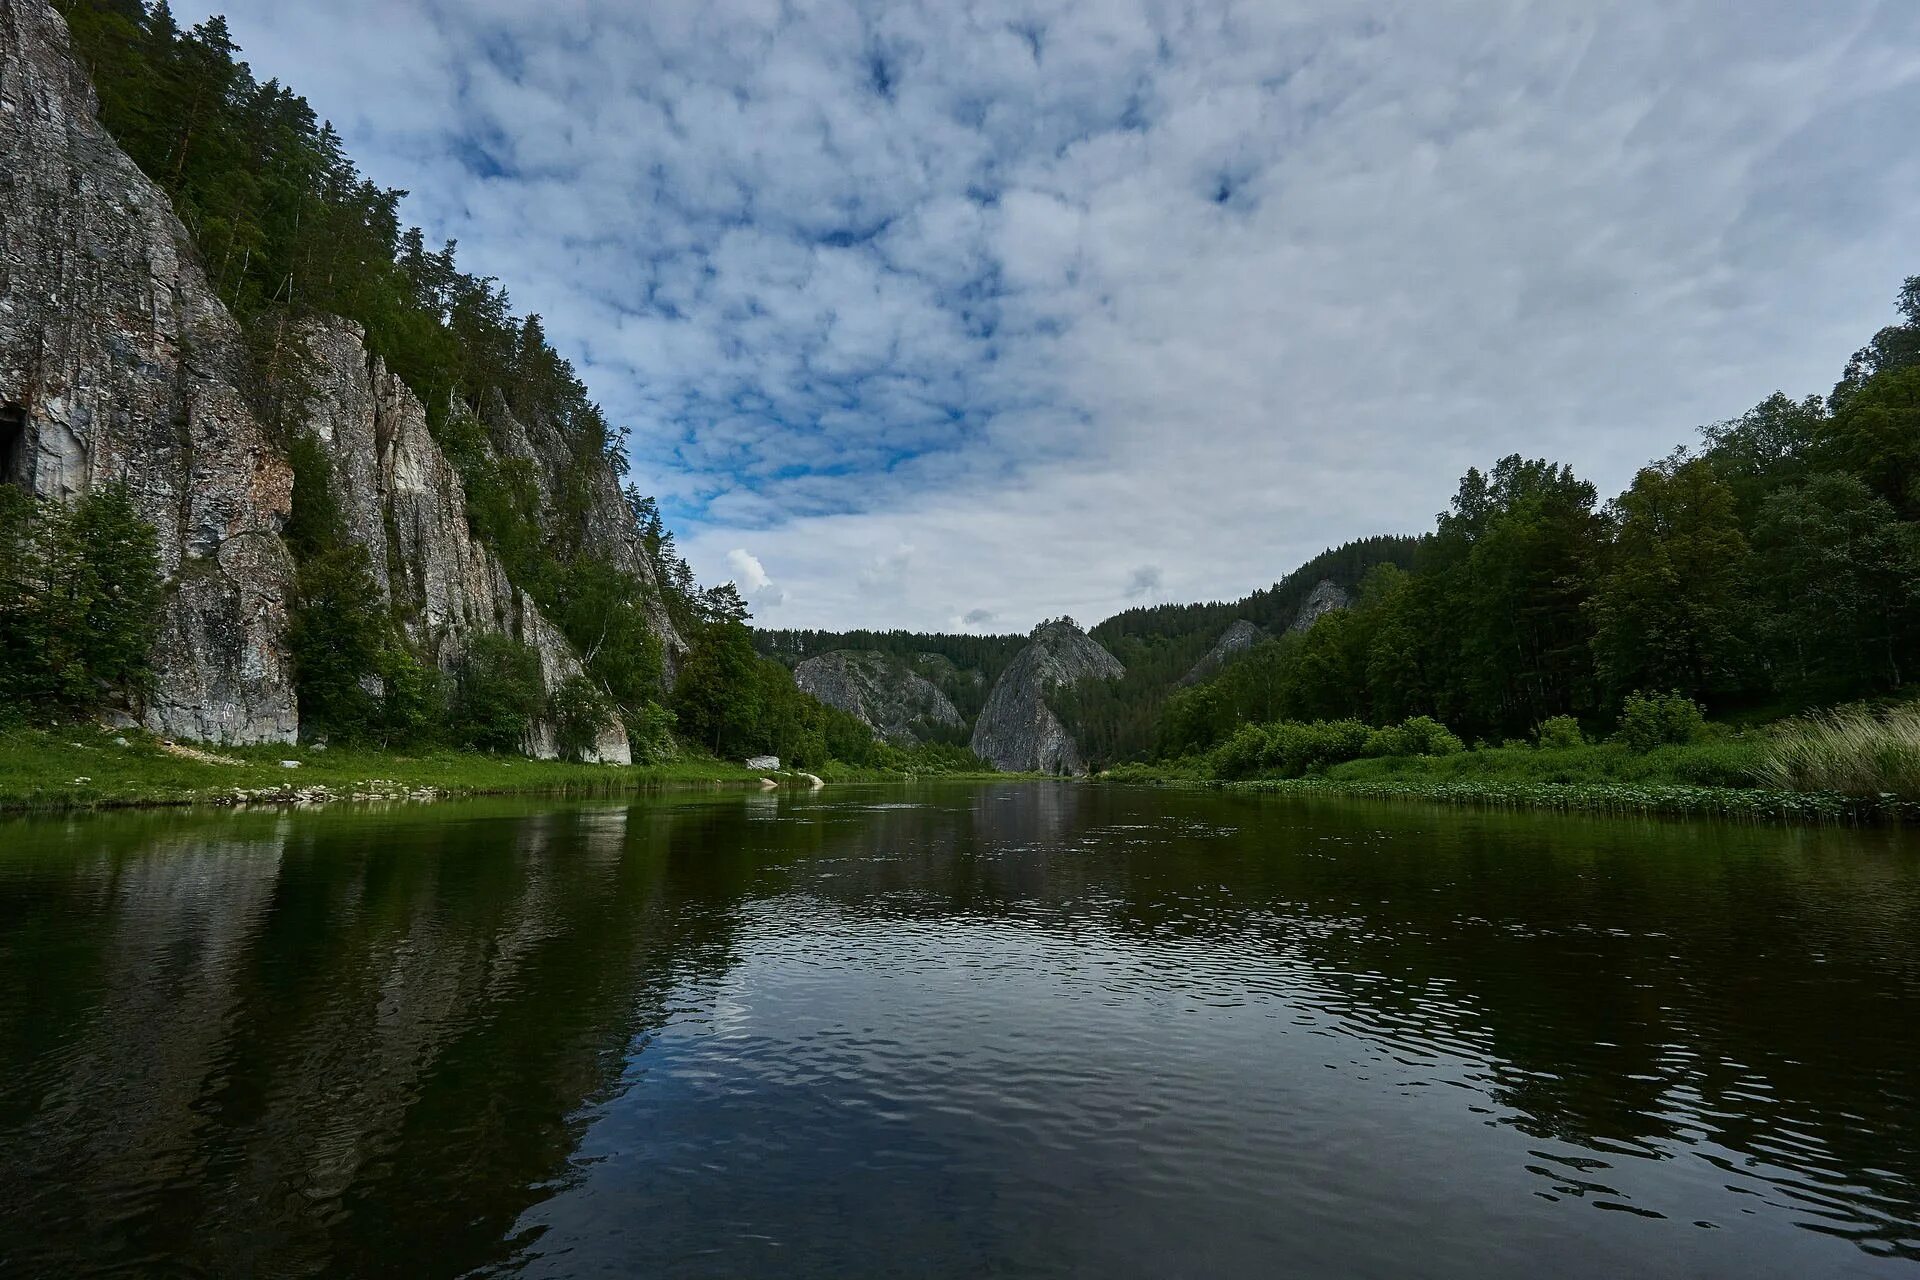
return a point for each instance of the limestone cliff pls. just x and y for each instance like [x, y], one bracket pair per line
[118, 364]
[401, 499]
[1017, 730]
[1234, 641]
[1327, 597]
[605, 526]
[880, 691]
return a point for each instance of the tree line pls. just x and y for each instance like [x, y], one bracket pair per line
[1773, 567]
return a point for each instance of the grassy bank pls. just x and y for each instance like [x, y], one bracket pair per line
[1856, 765]
[86, 767]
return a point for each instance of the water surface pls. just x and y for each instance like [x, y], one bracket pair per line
[1027, 1029]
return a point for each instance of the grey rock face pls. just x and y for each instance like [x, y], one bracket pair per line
[119, 364]
[1239, 637]
[1327, 597]
[1017, 731]
[606, 526]
[879, 691]
[402, 500]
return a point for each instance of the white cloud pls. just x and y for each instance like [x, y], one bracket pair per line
[750, 576]
[1053, 291]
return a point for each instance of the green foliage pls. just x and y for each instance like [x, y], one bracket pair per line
[1649, 720]
[498, 694]
[718, 694]
[80, 602]
[650, 733]
[1559, 733]
[1854, 750]
[579, 712]
[1292, 749]
[1414, 736]
[1671, 607]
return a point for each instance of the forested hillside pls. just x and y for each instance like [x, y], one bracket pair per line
[1774, 567]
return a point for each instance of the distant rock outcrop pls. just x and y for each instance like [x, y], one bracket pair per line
[1327, 597]
[880, 691]
[1236, 640]
[1017, 731]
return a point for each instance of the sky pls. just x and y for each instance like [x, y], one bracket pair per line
[959, 314]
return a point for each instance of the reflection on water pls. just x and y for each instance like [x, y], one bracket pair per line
[1024, 1029]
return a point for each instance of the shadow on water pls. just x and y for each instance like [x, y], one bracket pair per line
[1017, 1028]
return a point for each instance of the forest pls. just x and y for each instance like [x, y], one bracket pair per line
[1771, 568]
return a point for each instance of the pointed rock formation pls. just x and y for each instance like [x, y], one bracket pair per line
[1017, 730]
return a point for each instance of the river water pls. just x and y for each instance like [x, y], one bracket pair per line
[1021, 1029]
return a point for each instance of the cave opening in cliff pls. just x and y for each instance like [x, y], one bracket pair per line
[13, 444]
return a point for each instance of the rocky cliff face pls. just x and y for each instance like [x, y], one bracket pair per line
[1327, 597]
[118, 364]
[606, 527]
[402, 500]
[1017, 730]
[880, 691]
[1234, 641]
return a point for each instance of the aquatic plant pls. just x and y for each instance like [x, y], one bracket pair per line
[1855, 751]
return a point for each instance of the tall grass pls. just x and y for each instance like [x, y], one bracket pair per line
[1852, 750]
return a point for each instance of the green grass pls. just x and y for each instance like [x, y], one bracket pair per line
[83, 767]
[1856, 751]
[1739, 776]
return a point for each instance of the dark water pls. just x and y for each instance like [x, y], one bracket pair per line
[1014, 1030]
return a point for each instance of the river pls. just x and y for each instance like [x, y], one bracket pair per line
[1017, 1029]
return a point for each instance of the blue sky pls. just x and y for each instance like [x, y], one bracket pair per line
[960, 314]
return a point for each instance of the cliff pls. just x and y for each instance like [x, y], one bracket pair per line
[119, 364]
[1327, 597]
[1017, 731]
[402, 500]
[1239, 637]
[880, 691]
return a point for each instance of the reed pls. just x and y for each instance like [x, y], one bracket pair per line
[1855, 751]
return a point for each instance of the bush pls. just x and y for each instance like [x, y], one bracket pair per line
[1650, 720]
[498, 694]
[1853, 751]
[1415, 736]
[650, 732]
[579, 712]
[1559, 733]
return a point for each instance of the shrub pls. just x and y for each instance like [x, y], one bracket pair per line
[1853, 751]
[1650, 720]
[650, 731]
[1559, 733]
[579, 712]
[498, 694]
[1241, 754]
[1415, 736]
[414, 709]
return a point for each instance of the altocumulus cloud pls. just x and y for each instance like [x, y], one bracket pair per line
[964, 310]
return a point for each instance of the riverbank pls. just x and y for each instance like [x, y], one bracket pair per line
[79, 767]
[1711, 780]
